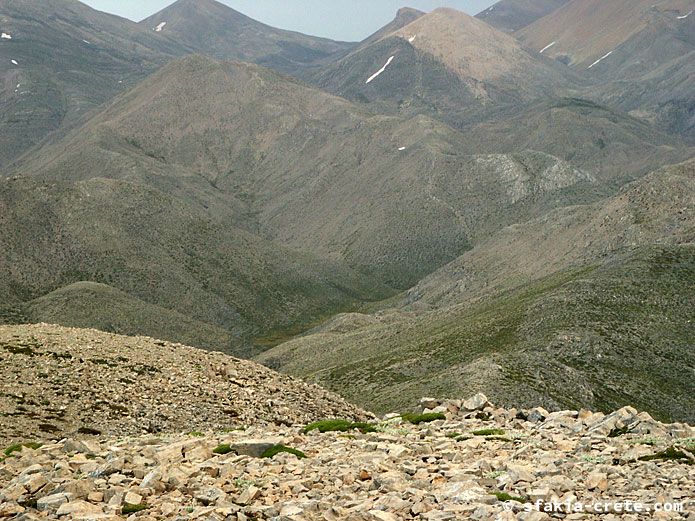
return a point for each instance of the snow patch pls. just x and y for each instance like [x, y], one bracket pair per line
[88, 43]
[401, 149]
[377, 73]
[412, 39]
[684, 16]
[14, 62]
[547, 47]
[160, 27]
[600, 60]
[5, 36]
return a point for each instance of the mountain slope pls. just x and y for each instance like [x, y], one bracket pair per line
[586, 30]
[300, 167]
[215, 29]
[599, 320]
[637, 55]
[511, 15]
[60, 59]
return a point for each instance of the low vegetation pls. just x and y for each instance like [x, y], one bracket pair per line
[274, 451]
[417, 419]
[488, 432]
[132, 509]
[339, 426]
[222, 449]
[504, 496]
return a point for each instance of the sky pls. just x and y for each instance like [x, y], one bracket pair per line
[347, 20]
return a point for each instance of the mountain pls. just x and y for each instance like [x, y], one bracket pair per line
[511, 15]
[216, 30]
[445, 64]
[404, 16]
[72, 382]
[584, 307]
[268, 204]
[637, 55]
[584, 31]
[61, 58]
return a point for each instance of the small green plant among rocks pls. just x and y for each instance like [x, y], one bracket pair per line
[504, 497]
[339, 426]
[196, 434]
[417, 419]
[273, 451]
[670, 454]
[132, 509]
[17, 447]
[222, 449]
[488, 432]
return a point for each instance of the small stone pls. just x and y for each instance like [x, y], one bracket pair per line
[249, 495]
[53, 502]
[598, 481]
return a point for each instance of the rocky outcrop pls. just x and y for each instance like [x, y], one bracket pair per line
[60, 382]
[481, 463]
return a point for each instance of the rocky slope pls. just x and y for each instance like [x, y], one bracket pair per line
[61, 382]
[481, 463]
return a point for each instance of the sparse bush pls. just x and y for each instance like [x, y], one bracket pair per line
[670, 454]
[339, 426]
[132, 509]
[277, 449]
[504, 496]
[488, 432]
[222, 449]
[417, 419]
[17, 447]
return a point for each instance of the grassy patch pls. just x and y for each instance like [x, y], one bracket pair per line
[488, 432]
[196, 434]
[132, 509]
[339, 426]
[222, 449]
[417, 419]
[273, 451]
[17, 447]
[503, 496]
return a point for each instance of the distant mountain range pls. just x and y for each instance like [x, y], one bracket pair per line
[499, 203]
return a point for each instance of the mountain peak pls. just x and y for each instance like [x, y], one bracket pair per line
[469, 47]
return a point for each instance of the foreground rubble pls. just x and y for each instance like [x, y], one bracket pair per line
[480, 463]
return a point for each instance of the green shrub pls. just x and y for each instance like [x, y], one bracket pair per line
[132, 509]
[339, 426]
[17, 447]
[488, 432]
[222, 449]
[196, 434]
[277, 449]
[417, 419]
[503, 496]
[670, 454]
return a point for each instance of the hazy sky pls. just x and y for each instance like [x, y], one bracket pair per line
[349, 20]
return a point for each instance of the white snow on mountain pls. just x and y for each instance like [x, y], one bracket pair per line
[377, 73]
